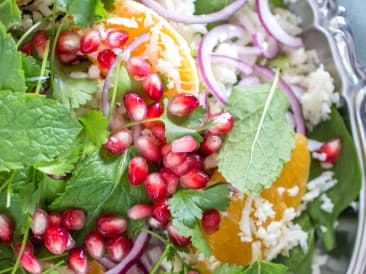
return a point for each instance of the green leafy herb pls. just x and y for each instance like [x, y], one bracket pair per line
[261, 141]
[32, 71]
[96, 126]
[124, 83]
[195, 119]
[9, 13]
[232, 269]
[33, 129]
[278, 3]
[263, 267]
[209, 6]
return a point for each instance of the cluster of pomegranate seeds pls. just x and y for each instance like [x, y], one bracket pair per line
[331, 151]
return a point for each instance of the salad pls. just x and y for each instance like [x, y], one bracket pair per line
[186, 136]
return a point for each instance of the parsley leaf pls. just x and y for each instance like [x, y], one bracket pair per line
[9, 13]
[255, 151]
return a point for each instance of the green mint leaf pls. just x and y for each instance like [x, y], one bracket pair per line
[49, 189]
[11, 72]
[208, 6]
[264, 267]
[255, 151]
[33, 129]
[9, 13]
[232, 269]
[96, 126]
[32, 71]
[195, 119]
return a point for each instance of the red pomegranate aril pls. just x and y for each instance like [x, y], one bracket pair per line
[148, 148]
[173, 159]
[332, 150]
[68, 58]
[135, 106]
[26, 48]
[6, 229]
[196, 161]
[153, 87]
[224, 122]
[154, 110]
[194, 179]
[117, 38]
[39, 41]
[94, 243]
[211, 221]
[171, 180]
[155, 186]
[140, 211]
[54, 218]
[77, 260]
[68, 42]
[109, 225]
[161, 211]
[56, 239]
[36, 238]
[28, 261]
[158, 131]
[165, 149]
[70, 242]
[90, 41]
[154, 223]
[106, 58]
[137, 170]
[138, 67]
[211, 144]
[183, 104]
[118, 248]
[175, 237]
[183, 168]
[184, 144]
[40, 221]
[73, 219]
[119, 141]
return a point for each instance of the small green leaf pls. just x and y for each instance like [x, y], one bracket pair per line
[232, 269]
[32, 71]
[262, 267]
[9, 13]
[96, 126]
[278, 3]
[195, 119]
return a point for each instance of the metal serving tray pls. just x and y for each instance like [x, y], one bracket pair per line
[327, 31]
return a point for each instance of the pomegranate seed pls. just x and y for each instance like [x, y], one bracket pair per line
[68, 58]
[161, 211]
[109, 225]
[135, 106]
[211, 221]
[94, 243]
[90, 41]
[73, 219]
[119, 141]
[28, 261]
[155, 223]
[155, 186]
[171, 180]
[166, 149]
[153, 111]
[138, 67]
[6, 229]
[117, 38]
[70, 242]
[183, 104]
[173, 159]
[40, 221]
[54, 218]
[39, 41]
[184, 144]
[26, 48]
[148, 148]
[118, 248]
[224, 122]
[194, 179]
[139, 211]
[77, 260]
[332, 150]
[68, 42]
[175, 237]
[158, 132]
[153, 87]
[36, 238]
[55, 239]
[183, 168]
[211, 144]
[137, 170]
[106, 58]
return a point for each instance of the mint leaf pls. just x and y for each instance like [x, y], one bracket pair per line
[232, 269]
[255, 151]
[11, 73]
[9, 13]
[33, 129]
[195, 119]
[96, 127]
[264, 267]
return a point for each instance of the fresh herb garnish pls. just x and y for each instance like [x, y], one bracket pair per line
[9, 13]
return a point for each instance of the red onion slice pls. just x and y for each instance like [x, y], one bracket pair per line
[249, 81]
[221, 15]
[272, 26]
[236, 63]
[269, 49]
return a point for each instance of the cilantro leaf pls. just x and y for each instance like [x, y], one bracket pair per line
[255, 151]
[33, 129]
[195, 119]
[264, 267]
[9, 13]
[208, 6]
[32, 71]
[96, 126]
[232, 269]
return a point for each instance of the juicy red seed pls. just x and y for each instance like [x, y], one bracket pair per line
[119, 141]
[106, 58]
[155, 186]
[68, 58]
[158, 131]
[55, 239]
[26, 48]
[194, 179]
[90, 41]
[153, 111]
[183, 168]
[183, 104]
[184, 144]
[28, 261]
[196, 161]
[54, 218]
[148, 148]
[155, 223]
[77, 260]
[94, 243]
[211, 221]
[6, 229]
[177, 238]
[109, 225]
[224, 122]
[40, 221]
[153, 87]
[68, 42]
[39, 41]
[166, 149]
[161, 211]
[171, 180]
[70, 242]
[118, 248]
[137, 170]
[138, 67]
[173, 159]
[135, 106]
[36, 238]
[73, 219]
[332, 150]
[140, 211]
[117, 38]
[211, 144]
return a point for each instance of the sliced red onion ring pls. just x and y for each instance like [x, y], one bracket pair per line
[249, 81]
[250, 51]
[236, 63]
[106, 263]
[272, 26]
[295, 104]
[269, 49]
[221, 15]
